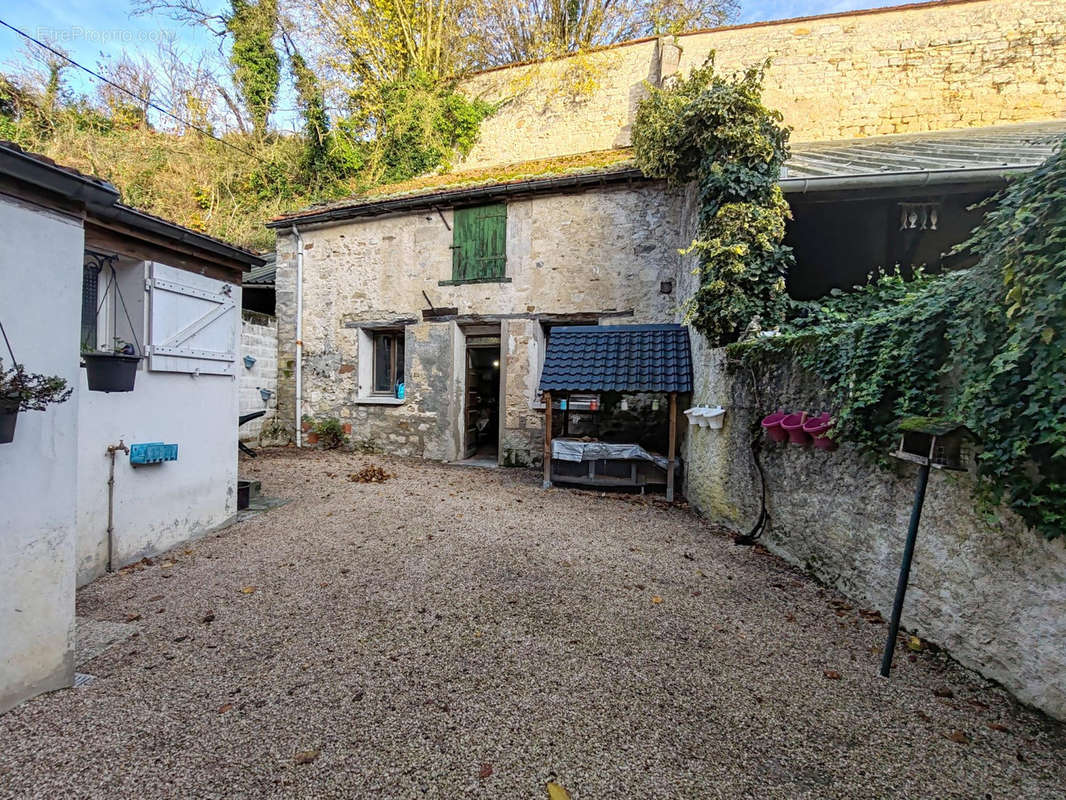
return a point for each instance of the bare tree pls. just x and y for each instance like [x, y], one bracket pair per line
[524, 30]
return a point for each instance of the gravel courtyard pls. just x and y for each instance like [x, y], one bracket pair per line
[458, 632]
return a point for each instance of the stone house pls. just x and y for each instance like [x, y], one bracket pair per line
[431, 283]
[452, 293]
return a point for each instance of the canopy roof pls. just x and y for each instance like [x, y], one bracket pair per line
[618, 358]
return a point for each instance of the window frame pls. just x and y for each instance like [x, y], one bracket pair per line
[396, 358]
[367, 334]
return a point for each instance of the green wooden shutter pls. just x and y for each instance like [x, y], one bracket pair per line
[479, 247]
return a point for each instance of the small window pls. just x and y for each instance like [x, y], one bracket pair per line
[388, 362]
[479, 244]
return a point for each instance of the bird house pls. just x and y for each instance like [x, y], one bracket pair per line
[935, 442]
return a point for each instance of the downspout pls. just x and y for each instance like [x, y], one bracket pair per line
[299, 334]
[111, 450]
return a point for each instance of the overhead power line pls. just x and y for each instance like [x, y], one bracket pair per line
[136, 97]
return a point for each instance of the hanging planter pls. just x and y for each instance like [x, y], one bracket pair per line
[9, 414]
[24, 391]
[112, 370]
[772, 426]
[792, 425]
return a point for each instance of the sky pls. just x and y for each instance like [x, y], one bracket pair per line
[90, 29]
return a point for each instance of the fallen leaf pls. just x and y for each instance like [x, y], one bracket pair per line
[485, 771]
[832, 674]
[224, 708]
[696, 594]
[914, 643]
[155, 599]
[943, 691]
[208, 618]
[132, 617]
[557, 792]
[995, 726]
[656, 599]
[305, 756]
[247, 589]
[958, 737]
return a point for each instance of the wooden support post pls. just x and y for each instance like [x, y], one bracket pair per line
[672, 451]
[547, 440]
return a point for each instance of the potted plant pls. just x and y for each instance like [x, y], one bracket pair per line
[112, 371]
[23, 391]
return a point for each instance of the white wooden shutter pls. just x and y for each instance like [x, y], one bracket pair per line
[193, 323]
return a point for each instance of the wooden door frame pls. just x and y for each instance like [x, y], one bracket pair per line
[483, 329]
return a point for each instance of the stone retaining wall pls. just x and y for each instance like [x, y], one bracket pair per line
[935, 66]
[991, 593]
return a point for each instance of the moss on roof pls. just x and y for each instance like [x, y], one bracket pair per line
[605, 161]
[507, 173]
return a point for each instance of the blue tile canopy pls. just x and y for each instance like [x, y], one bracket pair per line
[617, 358]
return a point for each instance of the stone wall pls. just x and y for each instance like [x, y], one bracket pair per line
[897, 70]
[259, 339]
[601, 254]
[991, 593]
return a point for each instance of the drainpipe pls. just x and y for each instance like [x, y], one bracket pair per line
[111, 450]
[299, 335]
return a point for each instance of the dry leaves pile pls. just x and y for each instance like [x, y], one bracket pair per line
[371, 473]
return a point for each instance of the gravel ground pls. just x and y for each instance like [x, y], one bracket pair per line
[457, 632]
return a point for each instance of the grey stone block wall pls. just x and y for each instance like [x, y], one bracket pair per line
[259, 339]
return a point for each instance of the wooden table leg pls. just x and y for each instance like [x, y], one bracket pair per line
[547, 440]
[671, 452]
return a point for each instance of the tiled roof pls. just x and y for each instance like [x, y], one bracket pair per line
[618, 358]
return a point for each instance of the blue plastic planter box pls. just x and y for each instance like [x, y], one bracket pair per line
[153, 453]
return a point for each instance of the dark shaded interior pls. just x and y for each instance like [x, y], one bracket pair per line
[840, 238]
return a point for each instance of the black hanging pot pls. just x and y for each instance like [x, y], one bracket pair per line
[9, 414]
[110, 372]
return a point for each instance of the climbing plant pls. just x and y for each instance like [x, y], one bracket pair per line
[255, 61]
[716, 131]
[984, 345]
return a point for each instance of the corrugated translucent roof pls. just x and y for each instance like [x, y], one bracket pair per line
[997, 147]
[618, 358]
[264, 275]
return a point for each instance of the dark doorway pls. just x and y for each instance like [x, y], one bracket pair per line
[482, 423]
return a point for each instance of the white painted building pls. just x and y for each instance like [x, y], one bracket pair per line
[78, 270]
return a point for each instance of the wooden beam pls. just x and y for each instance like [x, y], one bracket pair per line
[547, 440]
[672, 449]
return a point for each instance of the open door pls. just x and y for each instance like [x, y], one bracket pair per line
[481, 415]
[473, 405]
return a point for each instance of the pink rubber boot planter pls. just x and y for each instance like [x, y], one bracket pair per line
[772, 426]
[793, 426]
[818, 428]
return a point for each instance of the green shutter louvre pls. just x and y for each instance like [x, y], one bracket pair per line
[479, 248]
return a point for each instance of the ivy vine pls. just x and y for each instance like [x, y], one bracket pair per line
[715, 130]
[984, 345]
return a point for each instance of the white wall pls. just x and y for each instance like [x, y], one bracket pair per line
[259, 339]
[40, 306]
[157, 506]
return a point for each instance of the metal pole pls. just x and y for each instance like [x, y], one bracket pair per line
[905, 569]
[111, 450]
